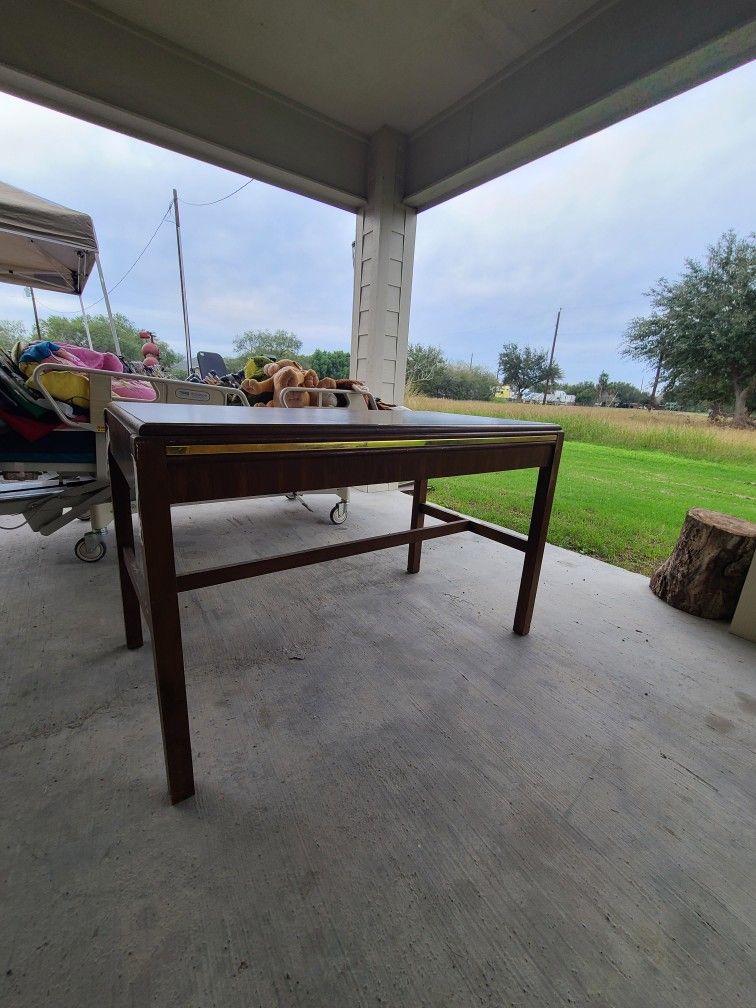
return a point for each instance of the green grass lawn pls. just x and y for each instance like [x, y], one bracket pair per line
[624, 506]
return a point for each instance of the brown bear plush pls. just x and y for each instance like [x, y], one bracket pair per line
[287, 374]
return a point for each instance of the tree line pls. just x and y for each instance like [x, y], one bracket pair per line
[280, 344]
[60, 329]
[699, 341]
[604, 392]
[285, 345]
[430, 373]
[523, 369]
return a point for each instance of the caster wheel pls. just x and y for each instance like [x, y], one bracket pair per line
[87, 553]
[291, 496]
[339, 513]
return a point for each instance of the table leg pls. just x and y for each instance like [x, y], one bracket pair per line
[124, 528]
[419, 494]
[539, 526]
[165, 620]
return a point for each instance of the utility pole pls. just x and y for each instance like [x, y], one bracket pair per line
[551, 358]
[184, 306]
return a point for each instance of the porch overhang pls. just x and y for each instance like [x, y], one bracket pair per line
[292, 97]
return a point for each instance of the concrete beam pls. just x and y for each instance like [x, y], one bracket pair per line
[627, 58]
[99, 68]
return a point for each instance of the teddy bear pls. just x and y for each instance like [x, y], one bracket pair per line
[278, 375]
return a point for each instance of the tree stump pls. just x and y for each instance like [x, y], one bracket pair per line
[706, 571]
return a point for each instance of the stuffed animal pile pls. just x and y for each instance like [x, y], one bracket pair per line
[265, 379]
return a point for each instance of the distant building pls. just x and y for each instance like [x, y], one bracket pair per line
[561, 398]
[555, 398]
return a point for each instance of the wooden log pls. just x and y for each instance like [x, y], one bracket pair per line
[705, 573]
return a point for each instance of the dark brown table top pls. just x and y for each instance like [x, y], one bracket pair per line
[167, 420]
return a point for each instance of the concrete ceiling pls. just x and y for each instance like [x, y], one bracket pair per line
[291, 91]
[366, 65]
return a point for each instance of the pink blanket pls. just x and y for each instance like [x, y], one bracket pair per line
[125, 388]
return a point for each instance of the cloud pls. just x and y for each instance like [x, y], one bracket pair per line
[588, 229]
[263, 259]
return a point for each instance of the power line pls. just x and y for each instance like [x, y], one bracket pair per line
[221, 199]
[152, 238]
[61, 311]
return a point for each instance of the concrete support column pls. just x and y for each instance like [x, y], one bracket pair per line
[383, 257]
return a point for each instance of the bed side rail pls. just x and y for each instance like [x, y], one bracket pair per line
[360, 401]
[168, 390]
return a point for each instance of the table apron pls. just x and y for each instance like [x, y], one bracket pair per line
[198, 478]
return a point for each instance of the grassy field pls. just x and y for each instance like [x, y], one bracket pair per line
[626, 480]
[689, 435]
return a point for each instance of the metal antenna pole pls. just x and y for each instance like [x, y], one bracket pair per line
[184, 306]
[106, 299]
[551, 358]
[86, 322]
[36, 315]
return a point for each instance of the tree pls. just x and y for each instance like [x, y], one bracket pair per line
[625, 393]
[425, 366]
[688, 396]
[526, 368]
[329, 363]
[431, 374]
[644, 340]
[555, 376]
[281, 344]
[58, 329]
[584, 392]
[11, 331]
[708, 321]
[464, 381]
[604, 394]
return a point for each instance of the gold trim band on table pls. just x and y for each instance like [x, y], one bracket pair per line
[296, 446]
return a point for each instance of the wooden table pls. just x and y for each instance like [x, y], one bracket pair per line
[174, 454]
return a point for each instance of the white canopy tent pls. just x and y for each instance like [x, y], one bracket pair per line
[42, 244]
[46, 246]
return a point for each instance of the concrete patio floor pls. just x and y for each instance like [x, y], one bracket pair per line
[399, 803]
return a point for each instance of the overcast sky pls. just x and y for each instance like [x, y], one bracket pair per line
[587, 229]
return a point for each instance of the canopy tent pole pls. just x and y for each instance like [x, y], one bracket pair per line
[184, 305]
[86, 322]
[106, 299]
[36, 314]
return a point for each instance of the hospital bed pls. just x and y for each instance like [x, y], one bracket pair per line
[62, 477]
